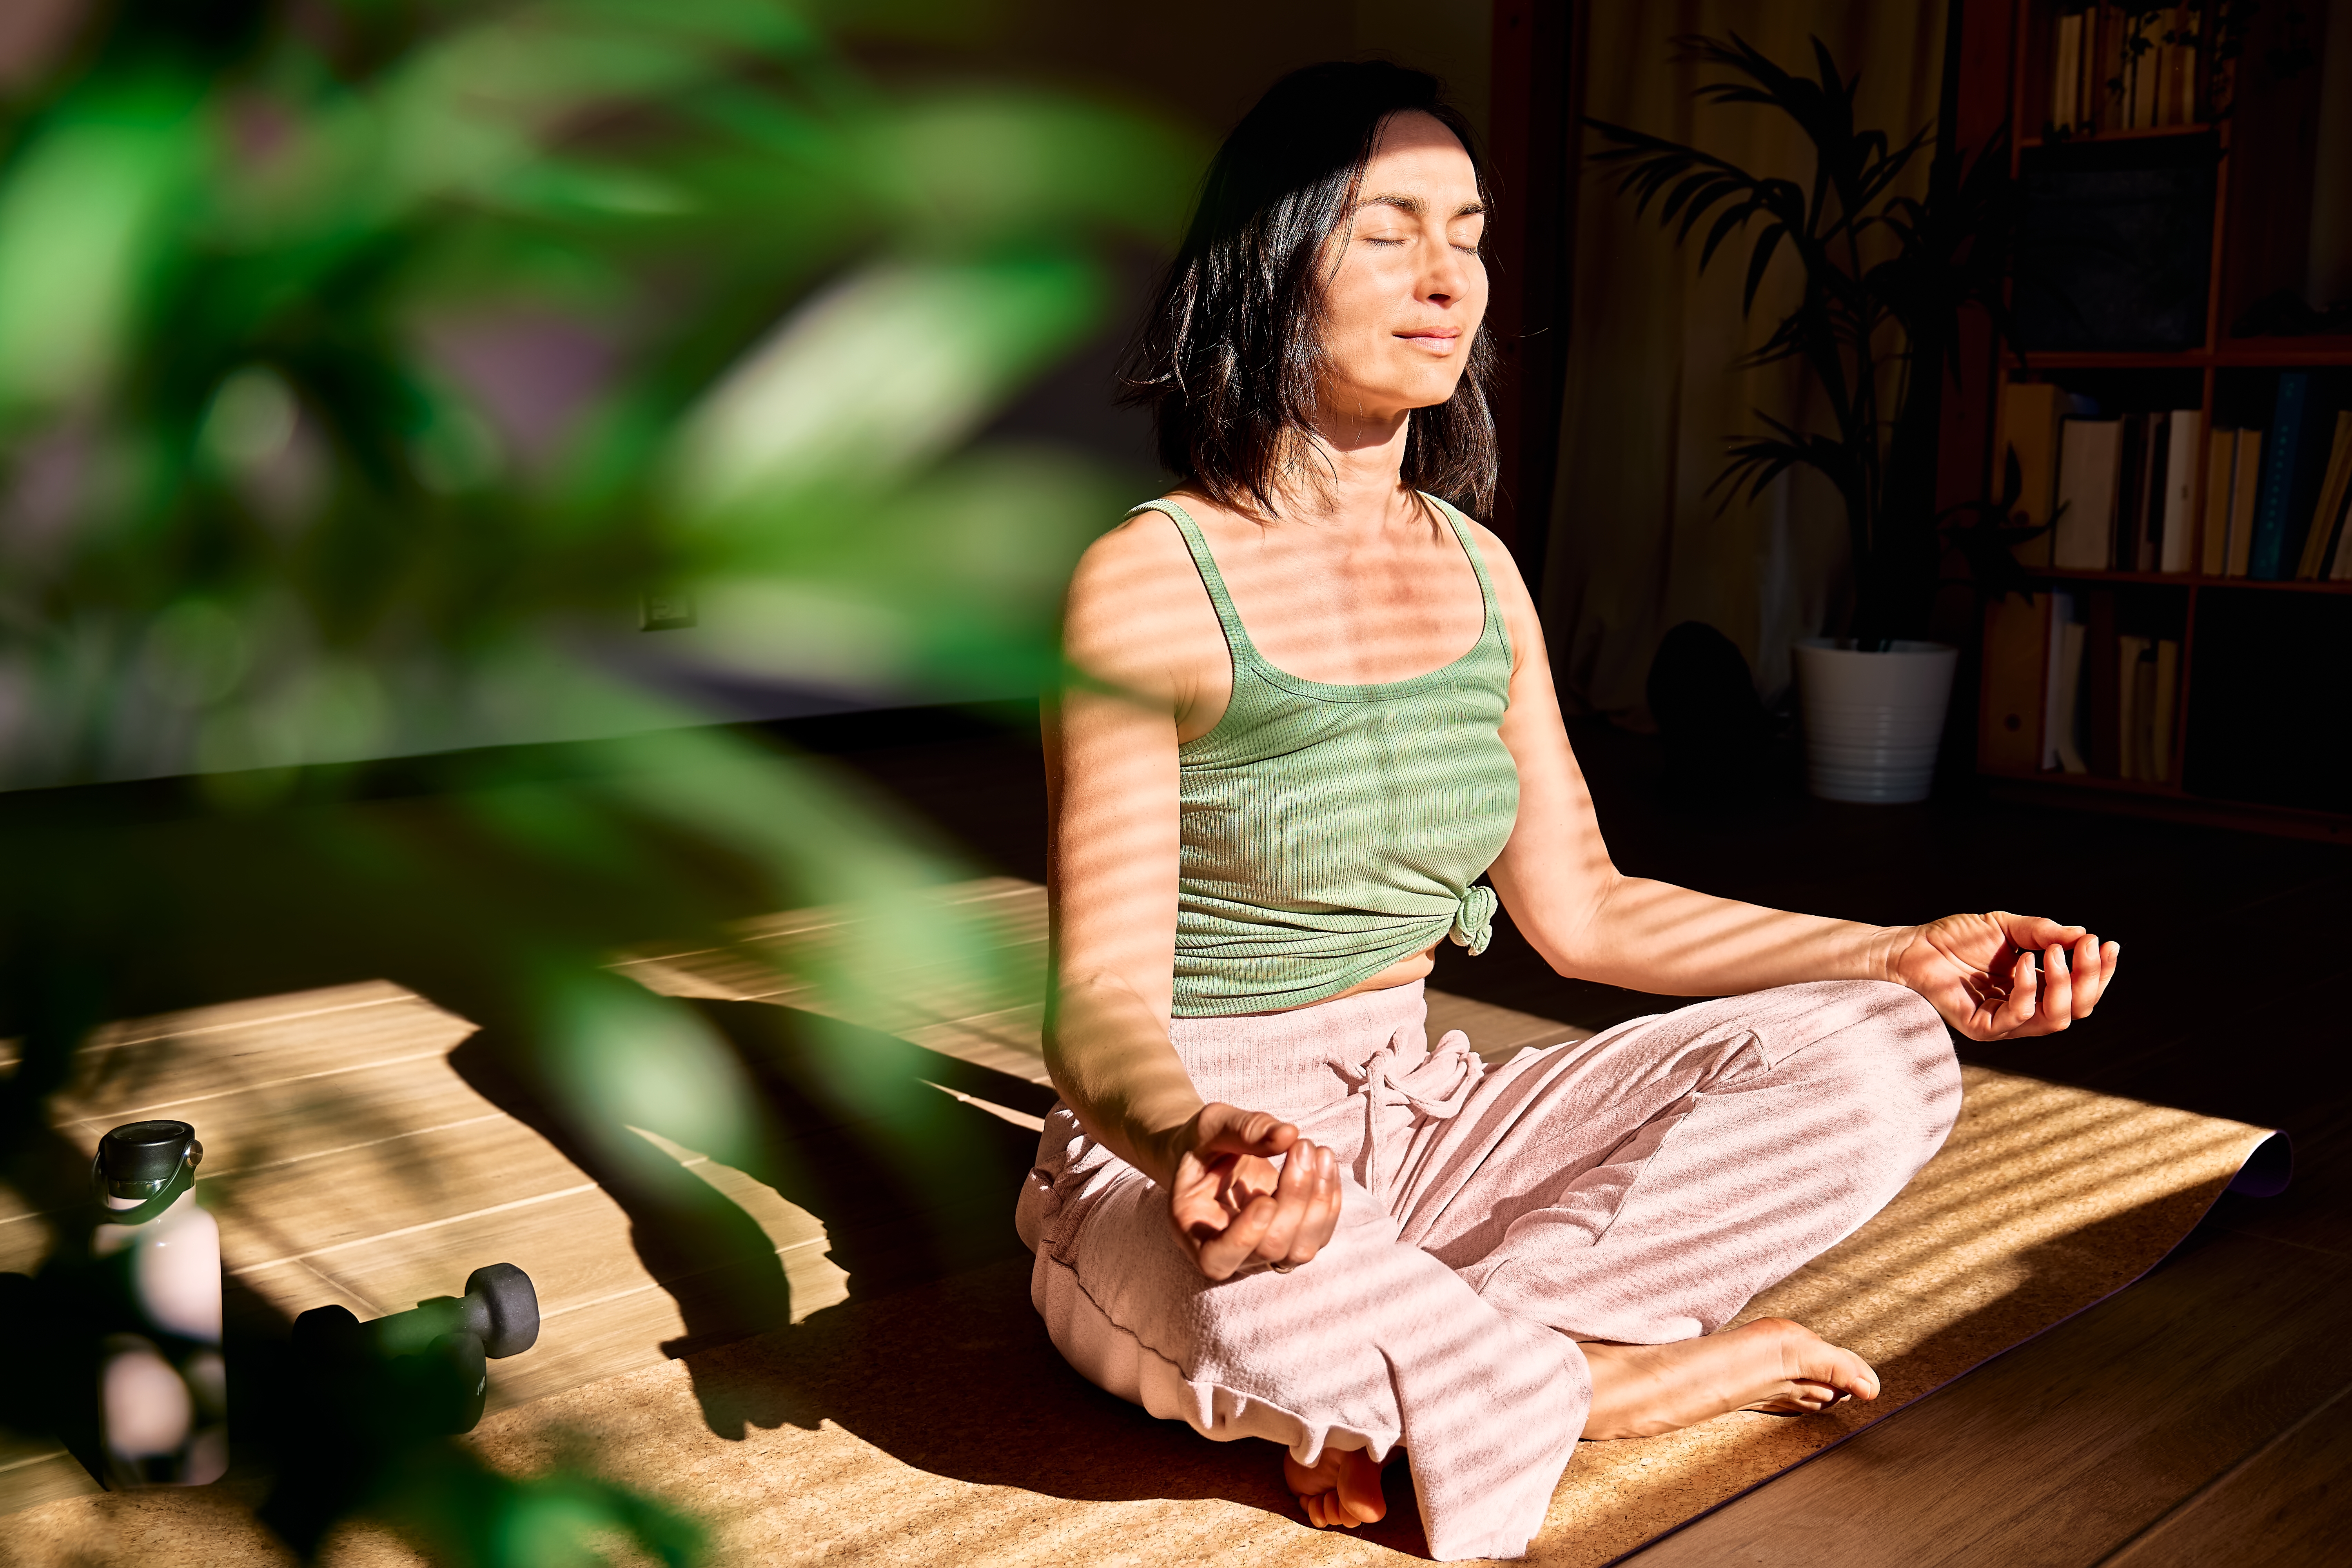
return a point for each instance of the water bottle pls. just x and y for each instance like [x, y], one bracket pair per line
[162, 1386]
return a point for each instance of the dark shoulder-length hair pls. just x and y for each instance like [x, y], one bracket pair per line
[1229, 357]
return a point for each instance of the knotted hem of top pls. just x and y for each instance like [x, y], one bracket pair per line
[1470, 926]
[1474, 920]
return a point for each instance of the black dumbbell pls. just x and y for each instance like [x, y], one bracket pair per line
[418, 1372]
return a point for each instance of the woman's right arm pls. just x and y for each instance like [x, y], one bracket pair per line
[1135, 645]
[1111, 794]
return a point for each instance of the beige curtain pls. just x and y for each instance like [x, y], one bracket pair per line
[1638, 544]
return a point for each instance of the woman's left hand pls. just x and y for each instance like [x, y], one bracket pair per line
[1979, 971]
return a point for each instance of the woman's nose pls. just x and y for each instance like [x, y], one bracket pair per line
[1448, 279]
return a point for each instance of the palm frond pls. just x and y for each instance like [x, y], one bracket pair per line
[1950, 250]
[1757, 460]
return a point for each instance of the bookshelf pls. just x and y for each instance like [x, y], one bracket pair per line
[2259, 732]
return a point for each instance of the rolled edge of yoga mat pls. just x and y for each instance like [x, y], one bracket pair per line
[2268, 1169]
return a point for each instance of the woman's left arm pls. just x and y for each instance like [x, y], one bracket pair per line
[1591, 922]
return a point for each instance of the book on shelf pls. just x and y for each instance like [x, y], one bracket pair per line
[2062, 715]
[2143, 497]
[2245, 485]
[2177, 105]
[2103, 30]
[2090, 466]
[2132, 690]
[2213, 536]
[2117, 67]
[2149, 688]
[2339, 568]
[2143, 72]
[2165, 706]
[2066, 72]
[2285, 450]
[2102, 702]
[2321, 535]
[2110, 703]
[2131, 491]
[2016, 645]
[2177, 519]
[2029, 416]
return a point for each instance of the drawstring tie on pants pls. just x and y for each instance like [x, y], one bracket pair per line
[1433, 1090]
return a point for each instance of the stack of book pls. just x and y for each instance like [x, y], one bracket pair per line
[2119, 493]
[2115, 494]
[2077, 696]
[2123, 68]
[2275, 500]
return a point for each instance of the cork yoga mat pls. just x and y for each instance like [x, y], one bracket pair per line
[934, 1423]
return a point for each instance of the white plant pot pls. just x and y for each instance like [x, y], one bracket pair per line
[1872, 719]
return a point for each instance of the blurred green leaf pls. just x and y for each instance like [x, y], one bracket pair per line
[361, 369]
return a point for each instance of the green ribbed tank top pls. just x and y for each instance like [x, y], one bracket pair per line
[1329, 831]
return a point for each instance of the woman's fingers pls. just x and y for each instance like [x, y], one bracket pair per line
[1232, 1208]
[1288, 1226]
[1228, 1130]
[1232, 1211]
[1322, 1213]
[1225, 1252]
[1292, 1195]
[2023, 1002]
[1309, 1196]
[2093, 972]
[2057, 990]
[1965, 979]
[2035, 932]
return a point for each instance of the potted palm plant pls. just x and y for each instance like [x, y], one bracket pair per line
[1885, 277]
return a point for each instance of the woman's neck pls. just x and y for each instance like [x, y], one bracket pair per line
[1354, 469]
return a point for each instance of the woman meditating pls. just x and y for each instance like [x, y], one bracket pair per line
[1312, 707]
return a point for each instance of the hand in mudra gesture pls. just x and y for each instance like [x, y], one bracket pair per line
[1980, 972]
[1231, 1208]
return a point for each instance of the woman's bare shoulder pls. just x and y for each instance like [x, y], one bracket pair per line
[1518, 603]
[1135, 603]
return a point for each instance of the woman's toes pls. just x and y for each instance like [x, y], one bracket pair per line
[1807, 1357]
[1341, 1491]
[1359, 1488]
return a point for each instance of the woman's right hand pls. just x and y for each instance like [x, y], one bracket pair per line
[1231, 1209]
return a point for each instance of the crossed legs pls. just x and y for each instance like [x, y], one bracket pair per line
[1555, 1262]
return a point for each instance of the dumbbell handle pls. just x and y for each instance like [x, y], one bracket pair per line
[499, 1307]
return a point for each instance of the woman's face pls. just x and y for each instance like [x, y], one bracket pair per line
[1410, 291]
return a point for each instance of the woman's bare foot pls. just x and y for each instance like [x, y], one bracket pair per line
[1342, 1489]
[1770, 1365]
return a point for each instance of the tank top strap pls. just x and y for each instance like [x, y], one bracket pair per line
[1237, 639]
[1461, 526]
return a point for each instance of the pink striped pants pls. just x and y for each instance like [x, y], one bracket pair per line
[1638, 1186]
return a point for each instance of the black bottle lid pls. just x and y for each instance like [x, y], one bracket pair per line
[138, 1158]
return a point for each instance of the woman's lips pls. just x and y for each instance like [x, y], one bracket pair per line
[1439, 339]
